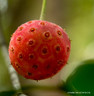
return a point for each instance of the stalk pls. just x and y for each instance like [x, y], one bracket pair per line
[43, 10]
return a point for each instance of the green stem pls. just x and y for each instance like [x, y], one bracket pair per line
[43, 10]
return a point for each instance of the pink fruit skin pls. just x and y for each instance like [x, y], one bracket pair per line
[39, 49]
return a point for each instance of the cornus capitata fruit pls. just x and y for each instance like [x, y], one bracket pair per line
[39, 49]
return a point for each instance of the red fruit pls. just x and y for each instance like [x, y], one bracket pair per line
[39, 49]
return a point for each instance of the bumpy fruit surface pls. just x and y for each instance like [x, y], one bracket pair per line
[39, 49]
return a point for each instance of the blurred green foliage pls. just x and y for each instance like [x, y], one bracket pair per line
[81, 80]
[5, 82]
[7, 93]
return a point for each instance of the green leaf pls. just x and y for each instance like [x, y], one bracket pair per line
[7, 93]
[81, 80]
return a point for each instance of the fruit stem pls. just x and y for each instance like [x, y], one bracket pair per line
[43, 10]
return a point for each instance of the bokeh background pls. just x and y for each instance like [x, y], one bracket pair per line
[75, 16]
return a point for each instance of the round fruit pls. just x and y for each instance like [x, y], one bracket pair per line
[39, 49]
[81, 81]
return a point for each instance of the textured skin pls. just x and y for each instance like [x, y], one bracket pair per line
[39, 49]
